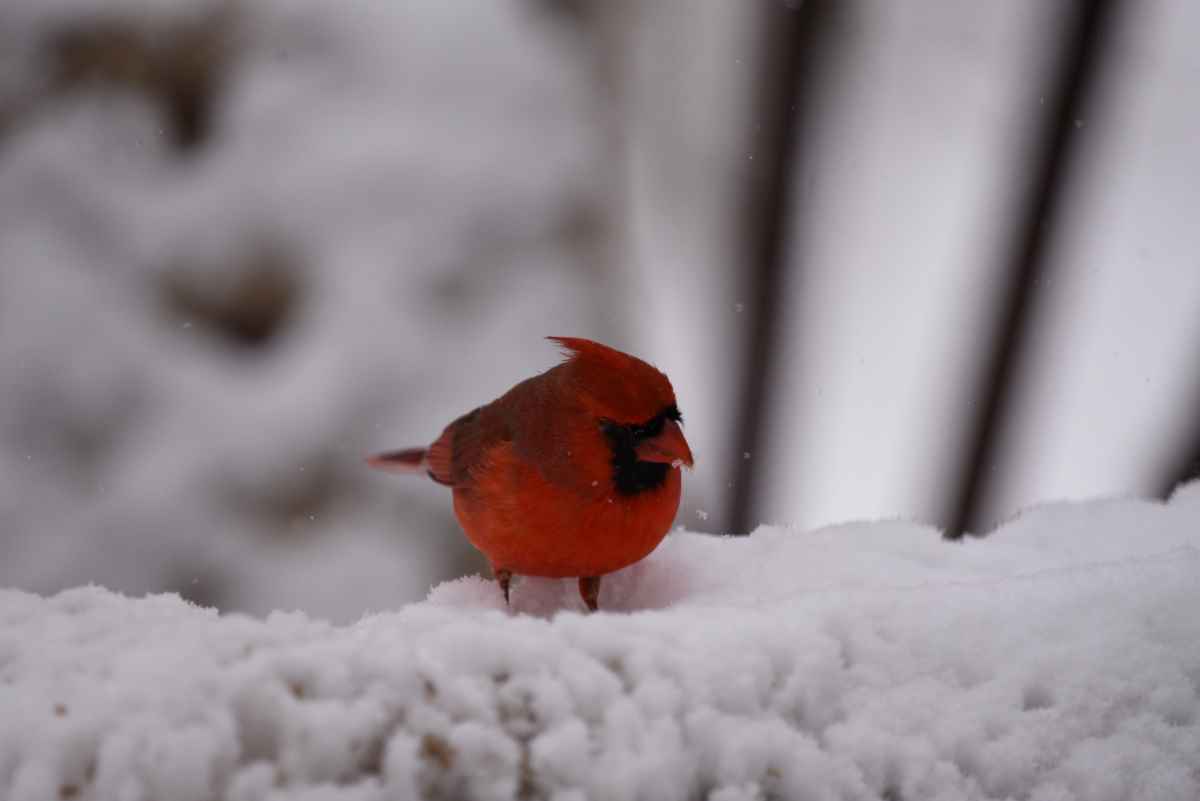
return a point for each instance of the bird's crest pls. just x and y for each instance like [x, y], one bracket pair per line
[627, 388]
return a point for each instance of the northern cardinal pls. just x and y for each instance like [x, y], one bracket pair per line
[571, 473]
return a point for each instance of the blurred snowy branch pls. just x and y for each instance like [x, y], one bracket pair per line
[238, 242]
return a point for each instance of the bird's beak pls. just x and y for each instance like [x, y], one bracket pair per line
[669, 447]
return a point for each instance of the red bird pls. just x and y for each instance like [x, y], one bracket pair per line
[574, 472]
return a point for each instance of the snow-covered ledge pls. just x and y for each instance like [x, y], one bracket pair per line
[1057, 659]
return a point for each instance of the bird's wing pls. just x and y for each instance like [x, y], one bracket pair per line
[523, 419]
[463, 447]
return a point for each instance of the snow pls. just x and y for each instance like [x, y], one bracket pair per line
[1058, 658]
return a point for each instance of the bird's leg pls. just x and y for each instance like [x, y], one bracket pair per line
[589, 589]
[504, 578]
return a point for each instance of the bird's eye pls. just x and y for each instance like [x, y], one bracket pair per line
[641, 431]
[650, 429]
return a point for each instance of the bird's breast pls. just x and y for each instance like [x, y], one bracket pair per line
[524, 523]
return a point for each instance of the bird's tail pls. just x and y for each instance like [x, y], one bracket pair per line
[409, 460]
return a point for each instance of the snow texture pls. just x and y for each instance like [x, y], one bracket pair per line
[1057, 659]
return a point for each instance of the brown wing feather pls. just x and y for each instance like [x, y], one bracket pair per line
[462, 446]
[526, 416]
[437, 458]
[443, 467]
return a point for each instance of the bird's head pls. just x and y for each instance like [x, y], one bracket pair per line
[632, 402]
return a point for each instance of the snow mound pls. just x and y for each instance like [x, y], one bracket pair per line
[1057, 659]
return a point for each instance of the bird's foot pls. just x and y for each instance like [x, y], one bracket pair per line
[504, 579]
[589, 590]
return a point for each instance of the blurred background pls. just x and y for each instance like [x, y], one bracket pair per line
[901, 258]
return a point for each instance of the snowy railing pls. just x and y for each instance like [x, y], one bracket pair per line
[1059, 658]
